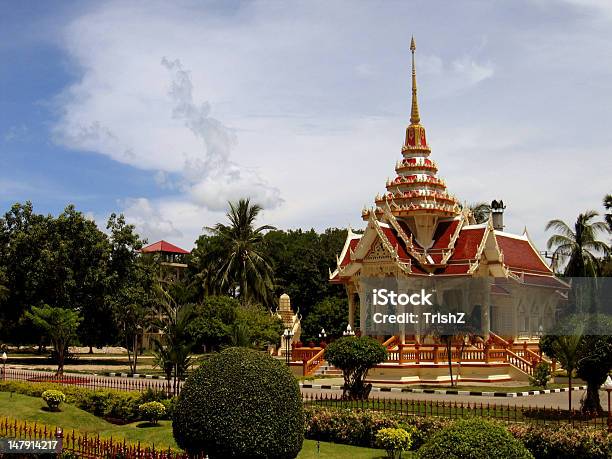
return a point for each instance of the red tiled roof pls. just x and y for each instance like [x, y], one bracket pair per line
[395, 243]
[347, 256]
[443, 234]
[467, 244]
[163, 246]
[519, 254]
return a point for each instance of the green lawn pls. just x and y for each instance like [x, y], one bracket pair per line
[24, 408]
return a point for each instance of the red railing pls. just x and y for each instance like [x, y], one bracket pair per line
[299, 354]
[85, 445]
[519, 362]
[310, 366]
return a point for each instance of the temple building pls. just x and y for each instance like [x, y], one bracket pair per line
[417, 229]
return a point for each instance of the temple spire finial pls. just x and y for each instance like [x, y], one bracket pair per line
[414, 113]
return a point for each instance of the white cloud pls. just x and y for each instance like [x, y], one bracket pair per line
[311, 101]
[149, 220]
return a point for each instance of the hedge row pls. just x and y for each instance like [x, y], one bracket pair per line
[566, 443]
[359, 428]
[118, 406]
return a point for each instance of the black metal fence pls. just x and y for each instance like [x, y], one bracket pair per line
[455, 410]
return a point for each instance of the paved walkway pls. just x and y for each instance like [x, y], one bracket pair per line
[556, 400]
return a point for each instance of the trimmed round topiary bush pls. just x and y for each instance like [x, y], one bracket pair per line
[242, 404]
[472, 439]
[152, 411]
[53, 398]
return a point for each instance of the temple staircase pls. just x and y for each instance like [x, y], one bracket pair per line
[325, 369]
[522, 356]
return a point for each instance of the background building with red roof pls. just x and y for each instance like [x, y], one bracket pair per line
[171, 259]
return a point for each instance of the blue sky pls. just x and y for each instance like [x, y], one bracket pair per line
[164, 111]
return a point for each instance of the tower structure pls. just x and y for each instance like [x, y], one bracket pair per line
[416, 197]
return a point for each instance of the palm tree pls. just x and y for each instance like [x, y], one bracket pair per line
[580, 246]
[566, 350]
[480, 211]
[607, 202]
[240, 265]
[173, 348]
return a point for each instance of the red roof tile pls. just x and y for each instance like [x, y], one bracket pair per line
[347, 256]
[395, 242]
[163, 246]
[519, 254]
[443, 234]
[467, 244]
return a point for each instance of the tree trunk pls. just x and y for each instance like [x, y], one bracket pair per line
[60, 359]
[569, 380]
[135, 353]
[450, 360]
[591, 403]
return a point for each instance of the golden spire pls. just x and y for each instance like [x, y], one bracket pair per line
[414, 114]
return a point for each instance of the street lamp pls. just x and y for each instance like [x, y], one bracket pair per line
[608, 388]
[288, 335]
[349, 331]
[323, 334]
[4, 357]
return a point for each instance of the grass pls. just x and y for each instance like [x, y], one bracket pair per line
[336, 451]
[33, 409]
[26, 408]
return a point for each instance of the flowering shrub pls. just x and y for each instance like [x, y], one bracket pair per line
[350, 427]
[152, 411]
[359, 427]
[566, 443]
[53, 398]
[394, 441]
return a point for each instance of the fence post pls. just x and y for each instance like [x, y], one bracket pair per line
[59, 436]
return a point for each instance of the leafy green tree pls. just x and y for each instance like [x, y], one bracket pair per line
[331, 314]
[263, 328]
[239, 265]
[83, 251]
[579, 246]
[54, 261]
[131, 279]
[302, 260]
[4, 291]
[132, 307]
[211, 325]
[60, 325]
[355, 356]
